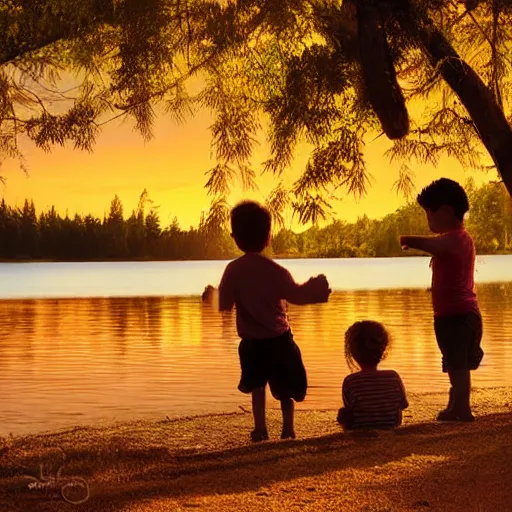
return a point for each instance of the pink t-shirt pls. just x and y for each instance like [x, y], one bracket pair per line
[259, 288]
[453, 276]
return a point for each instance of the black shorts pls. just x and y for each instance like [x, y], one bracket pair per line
[458, 338]
[276, 361]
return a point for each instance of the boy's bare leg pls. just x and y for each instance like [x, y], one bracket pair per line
[460, 397]
[258, 412]
[287, 408]
[450, 399]
[461, 384]
[449, 407]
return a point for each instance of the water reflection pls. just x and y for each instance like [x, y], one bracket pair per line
[70, 361]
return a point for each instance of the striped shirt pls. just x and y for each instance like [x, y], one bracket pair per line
[374, 398]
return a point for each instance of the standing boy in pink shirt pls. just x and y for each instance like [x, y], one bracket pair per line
[457, 319]
[259, 288]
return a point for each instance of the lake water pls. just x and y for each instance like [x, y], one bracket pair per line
[88, 342]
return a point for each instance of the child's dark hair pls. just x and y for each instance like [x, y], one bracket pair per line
[444, 192]
[366, 344]
[250, 226]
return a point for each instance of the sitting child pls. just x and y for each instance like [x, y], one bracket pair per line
[371, 397]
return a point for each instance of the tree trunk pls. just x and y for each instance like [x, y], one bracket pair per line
[488, 118]
[381, 84]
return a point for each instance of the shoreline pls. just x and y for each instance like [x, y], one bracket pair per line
[423, 409]
[414, 254]
[207, 462]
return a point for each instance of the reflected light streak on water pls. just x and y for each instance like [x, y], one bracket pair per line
[74, 361]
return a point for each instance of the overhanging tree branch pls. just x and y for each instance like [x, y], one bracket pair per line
[321, 71]
[488, 118]
[38, 25]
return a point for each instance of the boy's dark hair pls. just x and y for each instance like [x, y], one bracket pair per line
[250, 226]
[444, 192]
[366, 344]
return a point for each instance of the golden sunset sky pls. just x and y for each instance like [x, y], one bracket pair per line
[172, 168]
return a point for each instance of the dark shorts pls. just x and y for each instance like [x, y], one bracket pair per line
[458, 338]
[276, 361]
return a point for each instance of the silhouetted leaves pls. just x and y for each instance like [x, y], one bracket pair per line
[288, 69]
[277, 204]
[291, 70]
[405, 182]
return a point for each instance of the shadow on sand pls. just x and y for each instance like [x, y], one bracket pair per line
[424, 459]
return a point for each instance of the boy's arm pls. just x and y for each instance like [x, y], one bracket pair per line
[316, 289]
[345, 414]
[404, 403]
[226, 291]
[345, 395]
[345, 417]
[435, 245]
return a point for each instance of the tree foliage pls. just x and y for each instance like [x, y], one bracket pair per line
[25, 234]
[324, 72]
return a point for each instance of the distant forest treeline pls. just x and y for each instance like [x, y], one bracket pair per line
[25, 234]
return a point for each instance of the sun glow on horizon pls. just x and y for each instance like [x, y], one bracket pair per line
[172, 168]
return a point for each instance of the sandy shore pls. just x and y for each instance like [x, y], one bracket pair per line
[206, 463]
